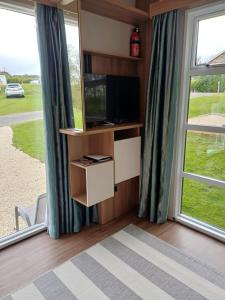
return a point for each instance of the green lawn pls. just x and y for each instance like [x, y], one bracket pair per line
[205, 155]
[29, 137]
[31, 102]
[205, 105]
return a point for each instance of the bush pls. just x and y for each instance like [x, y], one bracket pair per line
[208, 84]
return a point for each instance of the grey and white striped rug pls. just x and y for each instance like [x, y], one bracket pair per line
[131, 264]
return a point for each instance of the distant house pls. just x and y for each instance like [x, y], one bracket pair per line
[219, 59]
[3, 80]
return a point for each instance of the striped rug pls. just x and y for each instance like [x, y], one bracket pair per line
[131, 264]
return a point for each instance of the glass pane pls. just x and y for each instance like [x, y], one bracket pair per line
[205, 154]
[207, 100]
[22, 142]
[73, 47]
[211, 41]
[204, 202]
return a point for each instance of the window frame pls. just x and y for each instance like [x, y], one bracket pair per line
[27, 232]
[189, 69]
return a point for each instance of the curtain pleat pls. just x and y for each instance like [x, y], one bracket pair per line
[64, 215]
[161, 116]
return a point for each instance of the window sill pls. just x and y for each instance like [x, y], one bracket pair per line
[202, 227]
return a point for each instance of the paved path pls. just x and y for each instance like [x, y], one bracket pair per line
[208, 120]
[20, 118]
[22, 179]
[197, 95]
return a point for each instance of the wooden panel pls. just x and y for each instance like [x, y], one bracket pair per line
[102, 144]
[114, 9]
[143, 4]
[113, 66]
[106, 211]
[127, 155]
[163, 6]
[77, 147]
[69, 7]
[112, 55]
[78, 181]
[100, 182]
[100, 129]
[127, 196]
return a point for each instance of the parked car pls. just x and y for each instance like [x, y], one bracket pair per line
[14, 90]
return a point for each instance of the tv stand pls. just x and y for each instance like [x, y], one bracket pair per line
[112, 185]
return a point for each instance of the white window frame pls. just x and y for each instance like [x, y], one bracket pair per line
[189, 68]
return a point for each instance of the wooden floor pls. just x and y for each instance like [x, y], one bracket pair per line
[23, 262]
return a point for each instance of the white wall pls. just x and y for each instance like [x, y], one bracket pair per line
[105, 35]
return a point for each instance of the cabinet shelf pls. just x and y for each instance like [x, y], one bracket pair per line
[116, 10]
[92, 184]
[82, 198]
[82, 166]
[100, 129]
[112, 55]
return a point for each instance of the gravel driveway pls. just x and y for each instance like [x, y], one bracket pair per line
[22, 179]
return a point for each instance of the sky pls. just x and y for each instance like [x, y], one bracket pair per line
[211, 40]
[19, 49]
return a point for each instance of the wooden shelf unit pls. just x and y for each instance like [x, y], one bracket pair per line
[92, 184]
[81, 198]
[116, 10]
[103, 141]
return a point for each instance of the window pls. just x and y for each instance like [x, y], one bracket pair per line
[22, 146]
[73, 47]
[201, 147]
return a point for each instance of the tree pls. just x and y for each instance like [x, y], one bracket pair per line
[74, 65]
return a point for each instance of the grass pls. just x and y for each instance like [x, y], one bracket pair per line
[29, 137]
[205, 105]
[205, 155]
[204, 202]
[31, 102]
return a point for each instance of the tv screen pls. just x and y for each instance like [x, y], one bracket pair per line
[95, 98]
[110, 98]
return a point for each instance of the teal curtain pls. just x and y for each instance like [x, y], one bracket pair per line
[64, 215]
[161, 115]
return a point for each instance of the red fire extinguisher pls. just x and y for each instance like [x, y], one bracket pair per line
[135, 43]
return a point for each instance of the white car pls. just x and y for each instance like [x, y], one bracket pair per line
[14, 90]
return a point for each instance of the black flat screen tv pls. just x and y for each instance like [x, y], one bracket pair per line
[110, 98]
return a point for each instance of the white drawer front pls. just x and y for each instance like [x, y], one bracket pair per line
[100, 182]
[127, 154]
